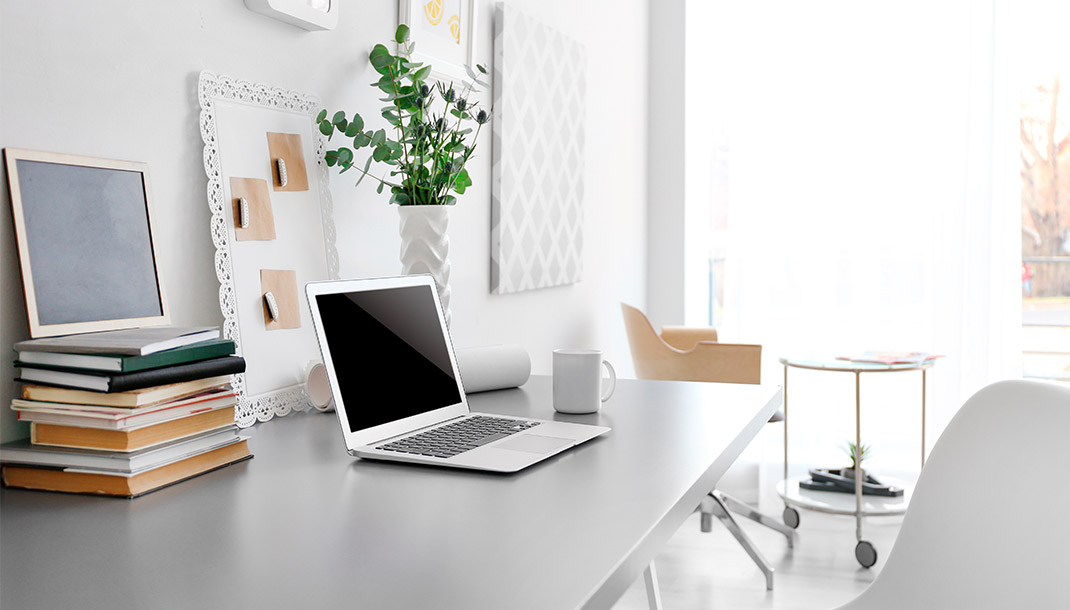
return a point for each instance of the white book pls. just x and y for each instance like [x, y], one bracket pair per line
[129, 342]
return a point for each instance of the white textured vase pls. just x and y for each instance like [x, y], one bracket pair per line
[425, 247]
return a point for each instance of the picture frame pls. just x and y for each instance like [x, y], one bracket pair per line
[310, 15]
[86, 242]
[447, 48]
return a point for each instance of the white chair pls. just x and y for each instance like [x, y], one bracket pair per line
[987, 526]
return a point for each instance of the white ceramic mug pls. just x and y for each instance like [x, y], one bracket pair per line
[578, 380]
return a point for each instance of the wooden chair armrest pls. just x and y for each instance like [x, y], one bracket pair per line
[686, 337]
[720, 362]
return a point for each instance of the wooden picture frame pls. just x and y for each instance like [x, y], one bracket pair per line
[429, 23]
[86, 242]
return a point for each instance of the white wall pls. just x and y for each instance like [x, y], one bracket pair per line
[118, 79]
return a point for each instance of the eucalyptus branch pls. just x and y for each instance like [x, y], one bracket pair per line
[427, 152]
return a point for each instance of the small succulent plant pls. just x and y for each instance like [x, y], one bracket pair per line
[858, 454]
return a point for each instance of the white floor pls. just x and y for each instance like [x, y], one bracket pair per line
[704, 571]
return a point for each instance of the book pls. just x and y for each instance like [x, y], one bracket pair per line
[118, 484]
[134, 398]
[24, 452]
[128, 342]
[118, 363]
[892, 357]
[137, 380]
[118, 418]
[129, 440]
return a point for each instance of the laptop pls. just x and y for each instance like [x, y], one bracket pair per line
[397, 389]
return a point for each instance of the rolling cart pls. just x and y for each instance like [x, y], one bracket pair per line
[836, 503]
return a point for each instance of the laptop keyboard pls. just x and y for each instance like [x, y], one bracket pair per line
[458, 437]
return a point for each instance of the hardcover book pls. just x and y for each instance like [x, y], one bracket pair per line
[137, 380]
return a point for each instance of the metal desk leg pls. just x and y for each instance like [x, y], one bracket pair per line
[653, 595]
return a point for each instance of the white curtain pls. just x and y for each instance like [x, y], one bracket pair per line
[872, 205]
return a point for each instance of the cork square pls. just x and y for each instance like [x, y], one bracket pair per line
[261, 218]
[287, 146]
[283, 284]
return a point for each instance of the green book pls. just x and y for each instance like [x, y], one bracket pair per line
[204, 350]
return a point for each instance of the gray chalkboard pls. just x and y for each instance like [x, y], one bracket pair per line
[86, 230]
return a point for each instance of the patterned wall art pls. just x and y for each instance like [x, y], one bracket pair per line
[540, 78]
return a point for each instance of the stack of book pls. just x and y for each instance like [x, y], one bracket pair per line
[124, 412]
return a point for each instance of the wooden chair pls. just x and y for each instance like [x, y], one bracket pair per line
[693, 354]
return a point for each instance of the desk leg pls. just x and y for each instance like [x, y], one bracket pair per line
[653, 595]
[859, 471]
[923, 418]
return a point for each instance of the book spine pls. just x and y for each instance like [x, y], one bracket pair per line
[227, 365]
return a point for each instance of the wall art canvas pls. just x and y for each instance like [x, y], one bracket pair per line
[539, 111]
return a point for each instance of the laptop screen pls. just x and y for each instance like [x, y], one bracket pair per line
[389, 352]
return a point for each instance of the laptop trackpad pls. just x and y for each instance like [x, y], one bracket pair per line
[534, 443]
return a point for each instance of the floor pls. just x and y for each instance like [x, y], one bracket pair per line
[710, 571]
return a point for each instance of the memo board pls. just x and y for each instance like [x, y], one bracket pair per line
[236, 120]
[86, 244]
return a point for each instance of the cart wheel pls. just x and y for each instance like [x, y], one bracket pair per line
[791, 517]
[865, 553]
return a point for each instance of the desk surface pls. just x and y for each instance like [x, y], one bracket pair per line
[303, 525]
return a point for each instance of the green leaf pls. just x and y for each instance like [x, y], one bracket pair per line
[381, 59]
[339, 117]
[356, 120]
[353, 129]
[344, 156]
[402, 34]
[331, 157]
[462, 182]
[481, 68]
[326, 128]
[381, 153]
[379, 138]
[379, 189]
[322, 115]
[367, 164]
[422, 73]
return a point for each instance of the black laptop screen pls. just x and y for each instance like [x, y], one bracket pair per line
[389, 353]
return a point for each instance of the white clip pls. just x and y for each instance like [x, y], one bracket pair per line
[272, 305]
[243, 213]
[280, 164]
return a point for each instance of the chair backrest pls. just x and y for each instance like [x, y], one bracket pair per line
[653, 358]
[987, 525]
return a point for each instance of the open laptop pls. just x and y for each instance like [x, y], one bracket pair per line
[397, 389]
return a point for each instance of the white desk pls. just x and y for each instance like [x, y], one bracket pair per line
[305, 526]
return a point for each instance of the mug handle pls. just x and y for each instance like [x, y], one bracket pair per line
[612, 381]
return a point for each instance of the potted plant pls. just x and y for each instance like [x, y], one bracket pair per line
[858, 454]
[432, 135]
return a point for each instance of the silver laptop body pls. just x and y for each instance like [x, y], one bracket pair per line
[394, 375]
